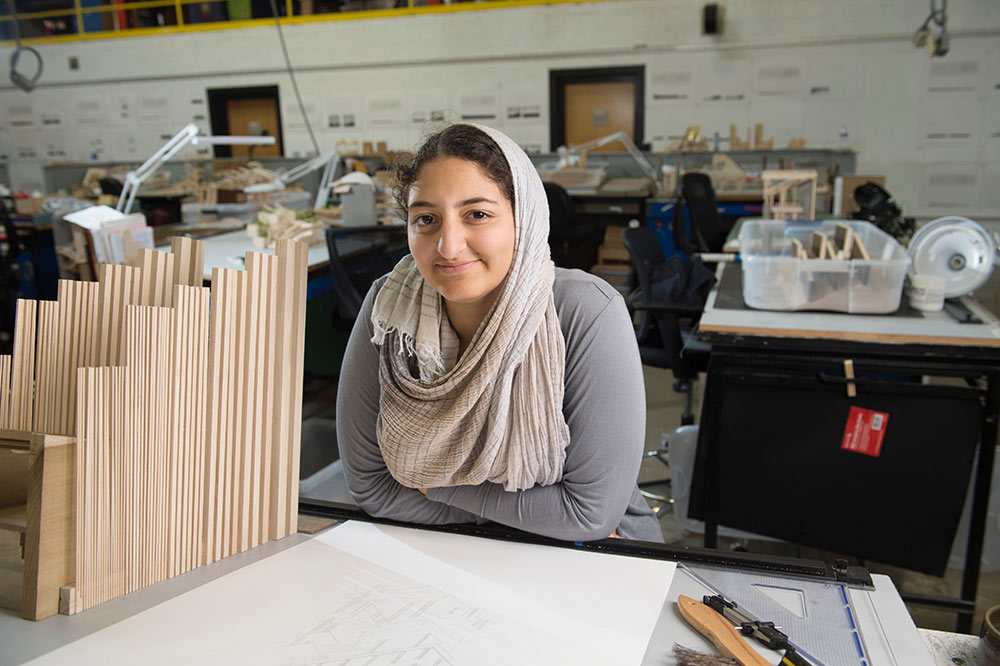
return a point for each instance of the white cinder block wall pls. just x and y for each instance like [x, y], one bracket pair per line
[840, 74]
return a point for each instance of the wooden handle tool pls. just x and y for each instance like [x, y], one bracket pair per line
[724, 636]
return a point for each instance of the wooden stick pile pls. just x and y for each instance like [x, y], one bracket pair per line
[276, 222]
[185, 403]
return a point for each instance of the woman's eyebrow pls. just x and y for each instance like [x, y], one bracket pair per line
[460, 204]
[477, 200]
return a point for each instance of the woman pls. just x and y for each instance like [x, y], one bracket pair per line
[481, 383]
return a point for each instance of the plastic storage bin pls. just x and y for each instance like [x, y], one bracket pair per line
[774, 279]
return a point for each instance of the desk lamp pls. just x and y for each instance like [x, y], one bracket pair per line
[327, 161]
[572, 156]
[188, 135]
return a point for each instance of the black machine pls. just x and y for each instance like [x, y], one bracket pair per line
[877, 206]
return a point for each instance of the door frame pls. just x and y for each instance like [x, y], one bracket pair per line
[559, 78]
[218, 102]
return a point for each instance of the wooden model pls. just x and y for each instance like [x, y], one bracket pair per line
[159, 422]
[734, 139]
[758, 138]
[778, 186]
[726, 174]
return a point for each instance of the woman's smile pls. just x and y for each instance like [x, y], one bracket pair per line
[456, 267]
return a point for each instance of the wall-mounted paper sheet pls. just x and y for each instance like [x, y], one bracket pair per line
[20, 114]
[89, 111]
[779, 78]
[673, 81]
[341, 113]
[478, 105]
[367, 594]
[428, 106]
[293, 114]
[385, 109]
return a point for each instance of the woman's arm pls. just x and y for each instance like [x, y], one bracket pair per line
[368, 480]
[605, 408]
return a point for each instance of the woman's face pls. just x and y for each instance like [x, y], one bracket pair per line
[461, 231]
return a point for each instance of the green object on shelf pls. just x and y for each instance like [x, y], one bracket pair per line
[239, 10]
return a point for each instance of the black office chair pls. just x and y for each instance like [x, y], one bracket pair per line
[665, 329]
[362, 255]
[573, 243]
[665, 335]
[708, 229]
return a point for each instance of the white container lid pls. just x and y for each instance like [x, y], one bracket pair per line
[956, 249]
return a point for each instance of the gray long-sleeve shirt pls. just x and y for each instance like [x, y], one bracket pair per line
[604, 406]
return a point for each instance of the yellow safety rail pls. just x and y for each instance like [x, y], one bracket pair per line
[78, 12]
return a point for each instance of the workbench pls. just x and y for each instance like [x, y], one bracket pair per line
[777, 399]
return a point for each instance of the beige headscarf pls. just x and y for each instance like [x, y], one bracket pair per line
[496, 415]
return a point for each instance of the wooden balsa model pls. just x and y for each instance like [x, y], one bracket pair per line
[158, 421]
[778, 186]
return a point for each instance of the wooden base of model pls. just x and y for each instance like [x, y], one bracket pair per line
[172, 417]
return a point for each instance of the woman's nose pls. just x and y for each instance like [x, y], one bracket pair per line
[451, 241]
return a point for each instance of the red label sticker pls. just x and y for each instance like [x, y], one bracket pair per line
[865, 431]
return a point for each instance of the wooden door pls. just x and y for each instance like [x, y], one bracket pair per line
[241, 112]
[597, 109]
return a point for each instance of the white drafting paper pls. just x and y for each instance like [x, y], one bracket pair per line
[368, 594]
[143, 236]
[94, 217]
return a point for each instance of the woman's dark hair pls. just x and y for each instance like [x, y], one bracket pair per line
[464, 142]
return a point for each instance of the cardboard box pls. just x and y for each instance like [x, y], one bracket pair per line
[28, 205]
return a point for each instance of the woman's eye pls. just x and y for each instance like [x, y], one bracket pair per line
[478, 215]
[423, 220]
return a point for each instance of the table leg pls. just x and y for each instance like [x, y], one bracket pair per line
[980, 500]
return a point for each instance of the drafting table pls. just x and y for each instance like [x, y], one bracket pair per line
[890, 637]
[790, 366]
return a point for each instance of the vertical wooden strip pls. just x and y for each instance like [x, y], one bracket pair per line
[292, 266]
[269, 264]
[228, 409]
[117, 289]
[23, 371]
[116, 450]
[156, 281]
[253, 394]
[48, 334]
[5, 391]
[238, 413]
[60, 382]
[189, 261]
[83, 555]
[201, 420]
[136, 436]
[213, 417]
